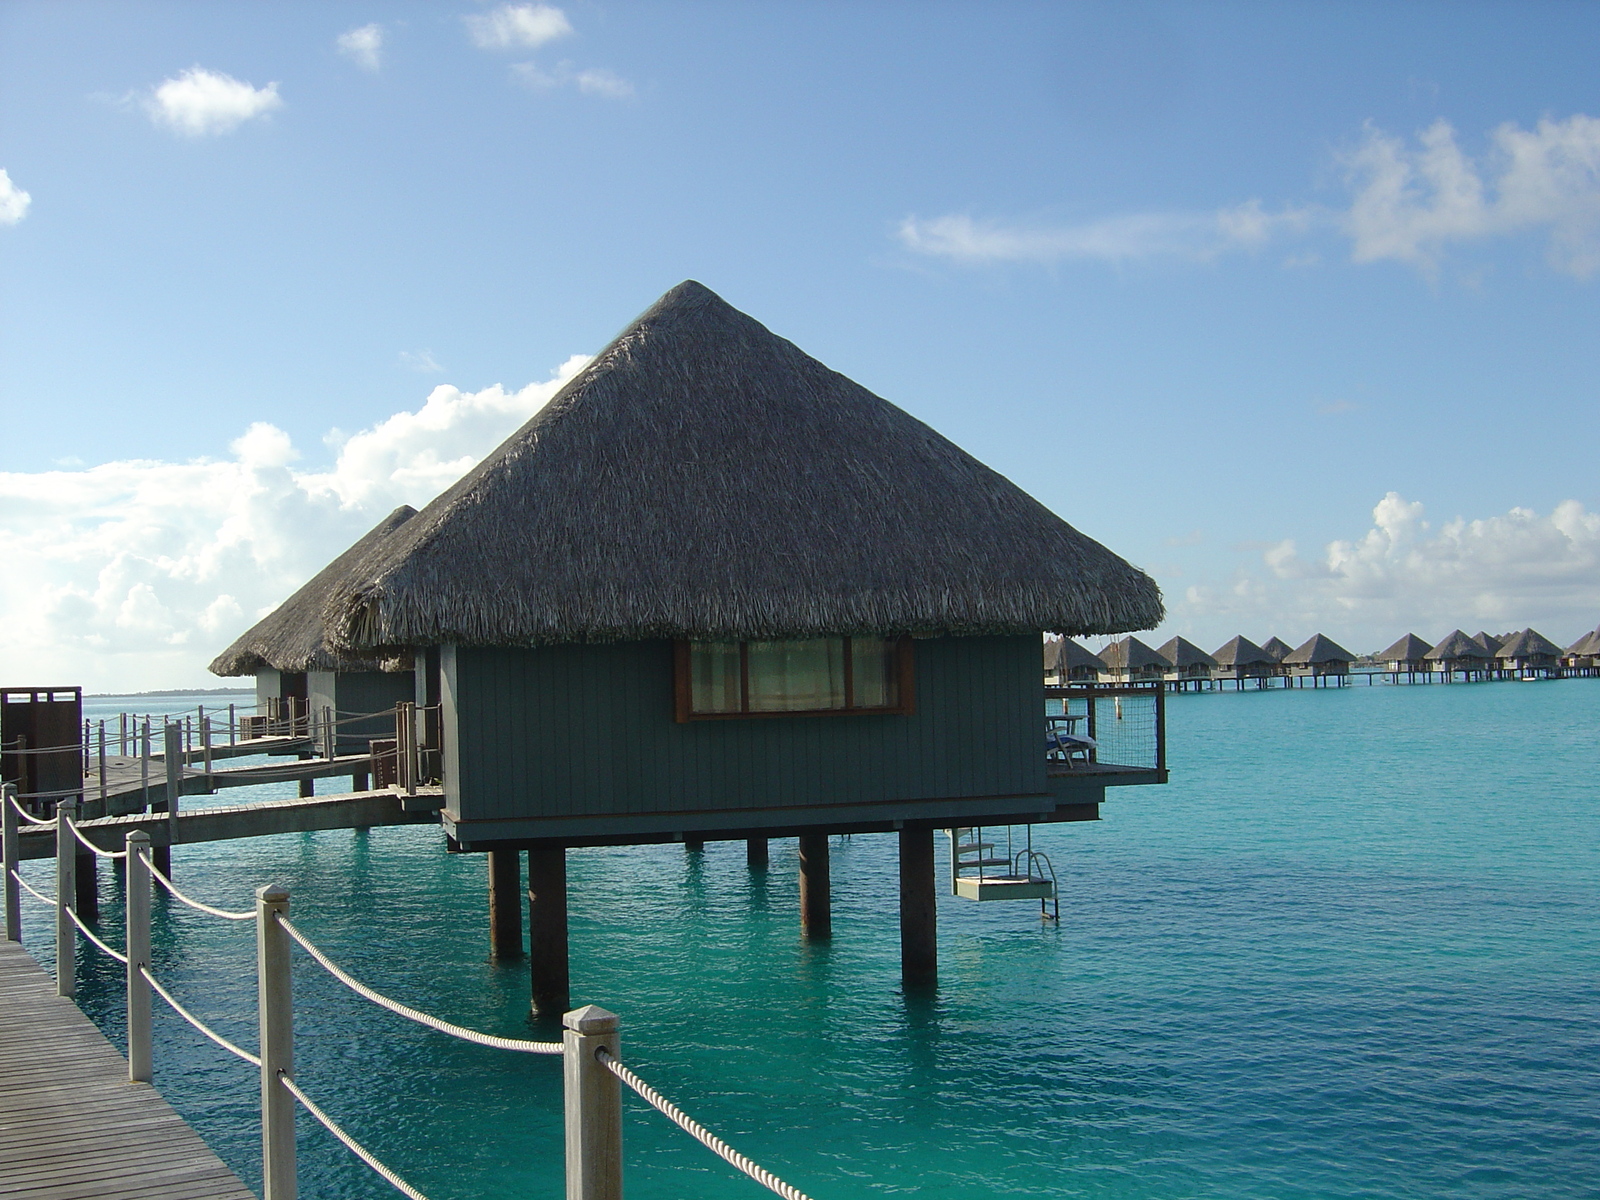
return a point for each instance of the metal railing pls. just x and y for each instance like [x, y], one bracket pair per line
[592, 1069]
[1126, 721]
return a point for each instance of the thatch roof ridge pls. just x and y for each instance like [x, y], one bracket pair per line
[1242, 652]
[1318, 649]
[1408, 649]
[1527, 644]
[291, 637]
[1277, 648]
[1130, 654]
[1489, 642]
[1181, 652]
[1456, 645]
[705, 478]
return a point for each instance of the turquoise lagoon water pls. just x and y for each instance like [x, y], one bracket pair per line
[1350, 951]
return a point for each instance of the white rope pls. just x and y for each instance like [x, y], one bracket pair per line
[412, 1014]
[37, 895]
[89, 933]
[355, 1147]
[205, 908]
[196, 1021]
[695, 1130]
[28, 816]
[78, 833]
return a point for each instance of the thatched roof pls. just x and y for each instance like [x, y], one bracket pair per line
[1277, 648]
[290, 638]
[1456, 645]
[1410, 648]
[1242, 652]
[1130, 654]
[1181, 652]
[704, 478]
[1489, 642]
[1589, 643]
[1318, 650]
[1064, 654]
[1530, 643]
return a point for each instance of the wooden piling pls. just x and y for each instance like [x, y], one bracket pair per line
[87, 881]
[694, 844]
[816, 903]
[919, 910]
[505, 903]
[755, 854]
[547, 932]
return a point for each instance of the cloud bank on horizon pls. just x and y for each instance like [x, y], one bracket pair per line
[133, 575]
[1408, 203]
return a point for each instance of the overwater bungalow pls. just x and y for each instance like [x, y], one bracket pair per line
[1128, 660]
[1459, 653]
[1583, 656]
[1191, 666]
[1529, 655]
[1318, 660]
[1067, 662]
[714, 590]
[1408, 657]
[1278, 650]
[1242, 659]
[299, 676]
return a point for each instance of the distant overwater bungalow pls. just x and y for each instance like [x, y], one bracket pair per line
[1319, 660]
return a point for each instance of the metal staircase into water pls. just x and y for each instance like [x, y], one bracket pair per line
[979, 872]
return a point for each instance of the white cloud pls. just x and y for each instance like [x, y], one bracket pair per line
[200, 102]
[592, 81]
[1405, 574]
[363, 46]
[1410, 203]
[13, 201]
[518, 25]
[1194, 236]
[1407, 202]
[134, 574]
[420, 360]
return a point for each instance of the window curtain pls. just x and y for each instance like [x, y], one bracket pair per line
[804, 676]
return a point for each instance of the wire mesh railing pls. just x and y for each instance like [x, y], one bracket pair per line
[589, 1049]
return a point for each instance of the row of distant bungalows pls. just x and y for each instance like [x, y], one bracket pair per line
[1179, 662]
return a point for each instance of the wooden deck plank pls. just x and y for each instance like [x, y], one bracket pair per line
[71, 1126]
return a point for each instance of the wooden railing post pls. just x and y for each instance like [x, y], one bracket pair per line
[8, 796]
[66, 897]
[138, 944]
[275, 1005]
[175, 760]
[144, 764]
[593, 1106]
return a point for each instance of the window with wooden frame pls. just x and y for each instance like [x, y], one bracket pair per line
[810, 677]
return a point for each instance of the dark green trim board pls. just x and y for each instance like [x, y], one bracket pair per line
[583, 738]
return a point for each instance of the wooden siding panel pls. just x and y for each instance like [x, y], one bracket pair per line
[589, 730]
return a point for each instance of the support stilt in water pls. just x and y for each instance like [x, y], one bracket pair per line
[161, 856]
[359, 781]
[308, 787]
[505, 903]
[547, 932]
[86, 877]
[816, 903]
[919, 909]
[755, 854]
[694, 844]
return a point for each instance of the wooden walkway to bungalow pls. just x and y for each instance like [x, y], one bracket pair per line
[71, 1125]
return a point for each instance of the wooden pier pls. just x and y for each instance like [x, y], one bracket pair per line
[71, 1125]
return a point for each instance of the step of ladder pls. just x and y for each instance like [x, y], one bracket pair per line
[972, 847]
[983, 862]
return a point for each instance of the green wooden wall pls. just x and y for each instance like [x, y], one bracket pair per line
[351, 692]
[588, 730]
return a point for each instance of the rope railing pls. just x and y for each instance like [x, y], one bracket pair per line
[355, 1147]
[155, 873]
[696, 1130]
[412, 1014]
[94, 938]
[11, 799]
[78, 833]
[253, 1059]
[35, 892]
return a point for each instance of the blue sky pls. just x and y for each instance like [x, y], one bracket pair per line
[1211, 281]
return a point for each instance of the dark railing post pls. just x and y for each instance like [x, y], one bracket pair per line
[1161, 730]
